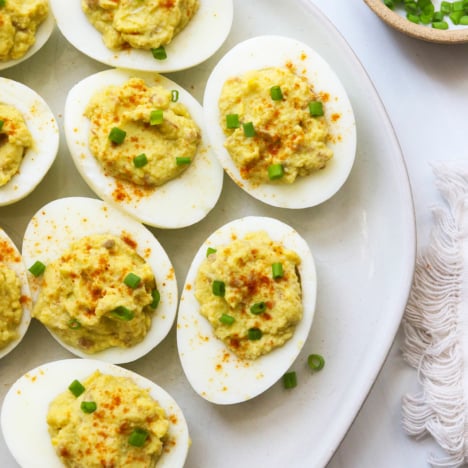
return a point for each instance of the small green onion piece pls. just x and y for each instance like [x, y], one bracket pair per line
[159, 53]
[88, 407]
[276, 93]
[464, 20]
[117, 135]
[180, 161]
[440, 25]
[122, 313]
[428, 9]
[76, 387]
[156, 298]
[210, 251]
[290, 380]
[390, 4]
[425, 19]
[226, 319]
[456, 16]
[411, 8]
[316, 362]
[174, 95]
[232, 121]
[446, 8]
[132, 280]
[156, 117]
[218, 288]
[277, 270]
[138, 437]
[140, 160]
[413, 18]
[254, 334]
[315, 108]
[437, 16]
[457, 6]
[258, 308]
[2, 3]
[1, 121]
[275, 171]
[37, 268]
[74, 324]
[249, 130]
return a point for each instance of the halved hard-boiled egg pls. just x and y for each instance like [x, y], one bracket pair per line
[179, 202]
[19, 102]
[96, 309]
[26, 406]
[15, 312]
[270, 125]
[197, 41]
[240, 362]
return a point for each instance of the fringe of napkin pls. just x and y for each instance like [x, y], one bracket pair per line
[435, 325]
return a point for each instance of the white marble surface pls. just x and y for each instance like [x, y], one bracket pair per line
[424, 87]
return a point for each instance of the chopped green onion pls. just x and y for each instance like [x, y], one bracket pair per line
[290, 380]
[138, 437]
[440, 25]
[316, 362]
[210, 251]
[258, 308]
[413, 18]
[390, 4]
[411, 8]
[218, 288]
[446, 8]
[249, 130]
[315, 108]
[275, 171]
[117, 135]
[254, 334]
[277, 270]
[437, 16]
[276, 93]
[140, 160]
[159, 53]
[232, 121]
[464, 20]
[76, 387]
[156, 117]
[456, 16]
[74, 324]
[37, 268]
[1, 121]
[122, 313]
[180, 161]
[457, 6]
[88, 407]
[156, 298]
[227, 319]
[174, 95]
[2, 3]
[132, 280]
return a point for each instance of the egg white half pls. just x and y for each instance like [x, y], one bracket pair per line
[25, 407]
[277, 51]
[43, 127]
[180, 202]
[56, 225]
[226, 380]
[11, 257]
[199, 40]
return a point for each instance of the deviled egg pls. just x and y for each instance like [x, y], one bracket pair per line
[263, 303]
[27, 414]
[197, 41]
[33, 150]
[15, 296]
[126, 102]
[280, 122]
[100, 281]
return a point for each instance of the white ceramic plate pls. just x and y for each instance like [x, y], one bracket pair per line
[363, 240]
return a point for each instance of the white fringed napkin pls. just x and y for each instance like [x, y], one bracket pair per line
[435, 325]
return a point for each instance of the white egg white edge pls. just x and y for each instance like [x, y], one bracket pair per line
[25, 407]
[198, 41]
[200, 351]
[43, 33]
[19, 268]
[56, 225]
[44, 130]
[276, 51]
[179, 203]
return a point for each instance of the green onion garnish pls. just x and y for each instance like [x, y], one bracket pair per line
[290, 380]
[464, 20]
[254, 334]
[174, 95]
[159, 53]
[316, 362]
[76, 387]
[1, 121]
[180, 161]
[2, 3]
[440, 25]
[132, 280]
[218, 288]
[315, 108]
[156, 298]
[258, 308]
[275, 171]
[276, 93]
[232, 121]
[277, 270]
[249, 130]
[227, 319]
[117, 135]
[210, 251]
[74, 324]
[88, 406]
[37, 268]
[156, 117]
[138, 437]
[140, 160]
[122, 313]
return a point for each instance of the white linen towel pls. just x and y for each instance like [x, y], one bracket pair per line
[435, 325]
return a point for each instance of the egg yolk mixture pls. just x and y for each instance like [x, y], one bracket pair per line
[274, 126]
[141, 134]
[11, 310]
[146, 24]
[15, 139]
[111, 423]
[250, 291]
[19, 20]
[98, 294]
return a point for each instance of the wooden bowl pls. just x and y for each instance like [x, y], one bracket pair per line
[419, 31]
